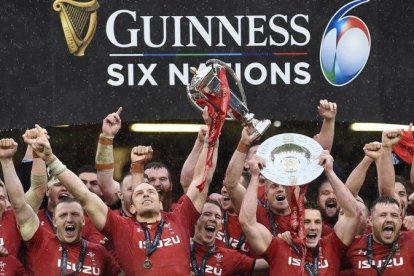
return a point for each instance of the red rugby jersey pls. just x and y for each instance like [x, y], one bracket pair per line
[401, 264]
[44, 256]
[172, 256]
[283, 260]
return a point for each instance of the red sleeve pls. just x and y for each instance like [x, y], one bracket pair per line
[112, 224]
[111, 265]
[37, 240]
[244, 264]
[186, 214]
[90, 233]
[335, 242]
[272, 251]
[14, 266]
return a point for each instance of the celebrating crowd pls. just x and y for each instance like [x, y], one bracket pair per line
[94, 225]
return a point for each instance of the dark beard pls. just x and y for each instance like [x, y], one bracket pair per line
[166, 199]
[331, 221]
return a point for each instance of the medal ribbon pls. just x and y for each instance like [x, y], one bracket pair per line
[150, 247]
[273, 224]
[200, 271]
[297, 215]
[370, 255]
[79, 265]
[49, 219]
[311, 269]
[217, 119]
[242, 237]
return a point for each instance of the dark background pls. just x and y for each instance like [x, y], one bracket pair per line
[40, 82]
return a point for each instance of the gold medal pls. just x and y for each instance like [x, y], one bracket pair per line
[147, 264]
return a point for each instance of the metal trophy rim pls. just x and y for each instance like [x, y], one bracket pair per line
[275, 173]
[235, 78]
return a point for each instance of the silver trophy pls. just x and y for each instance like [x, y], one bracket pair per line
[206, 82]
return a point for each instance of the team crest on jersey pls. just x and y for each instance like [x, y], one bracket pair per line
[218, 257]
[91, 255]
[2, 266]
[169, 227]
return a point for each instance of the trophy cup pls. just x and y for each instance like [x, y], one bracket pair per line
[206, 85]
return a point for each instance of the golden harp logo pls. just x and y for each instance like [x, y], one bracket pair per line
[78, 20]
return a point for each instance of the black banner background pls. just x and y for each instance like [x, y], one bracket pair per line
[42, 83]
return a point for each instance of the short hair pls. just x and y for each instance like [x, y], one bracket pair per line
[407, 184]
[69, 200]
[158, 165]
[215, 202]
[86, 169]
[311, 205]
[384, 200]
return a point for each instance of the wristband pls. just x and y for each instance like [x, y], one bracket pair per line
[136, 167]
[243, 147]
[56, 167]
[104, 159]
[105, 139]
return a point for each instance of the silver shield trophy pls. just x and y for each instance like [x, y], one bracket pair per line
[206, 81]
[291, 159]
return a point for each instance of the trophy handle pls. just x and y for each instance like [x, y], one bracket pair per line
[233, 74]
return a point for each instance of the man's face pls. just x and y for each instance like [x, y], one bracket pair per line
[386, 222]
[278, 199]
[160, 180]
[208, 224]
[401, 192]
[327, 200]
[90, 179]
[126, 190]
[226, 202]
[313, 227]
[68, 219]
[145, 200]
[56, 192]
[2, 200]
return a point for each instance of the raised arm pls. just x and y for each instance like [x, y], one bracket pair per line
[187, 172]
[258, 235]
[385, 168]
[357, 177]
[104, 159]
[27, 219]
[346, 226]
[140, 155]
[93, 205]
[327, 110]
[235, 169]
[199, 197]
[38, 178]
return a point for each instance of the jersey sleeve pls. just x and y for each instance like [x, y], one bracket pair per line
[112, 225]
[243, 264]
[38, 238]
[90, 233]
[111, 265]
[186, 213]
[272, 251]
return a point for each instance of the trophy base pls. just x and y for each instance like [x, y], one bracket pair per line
[258, 127]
